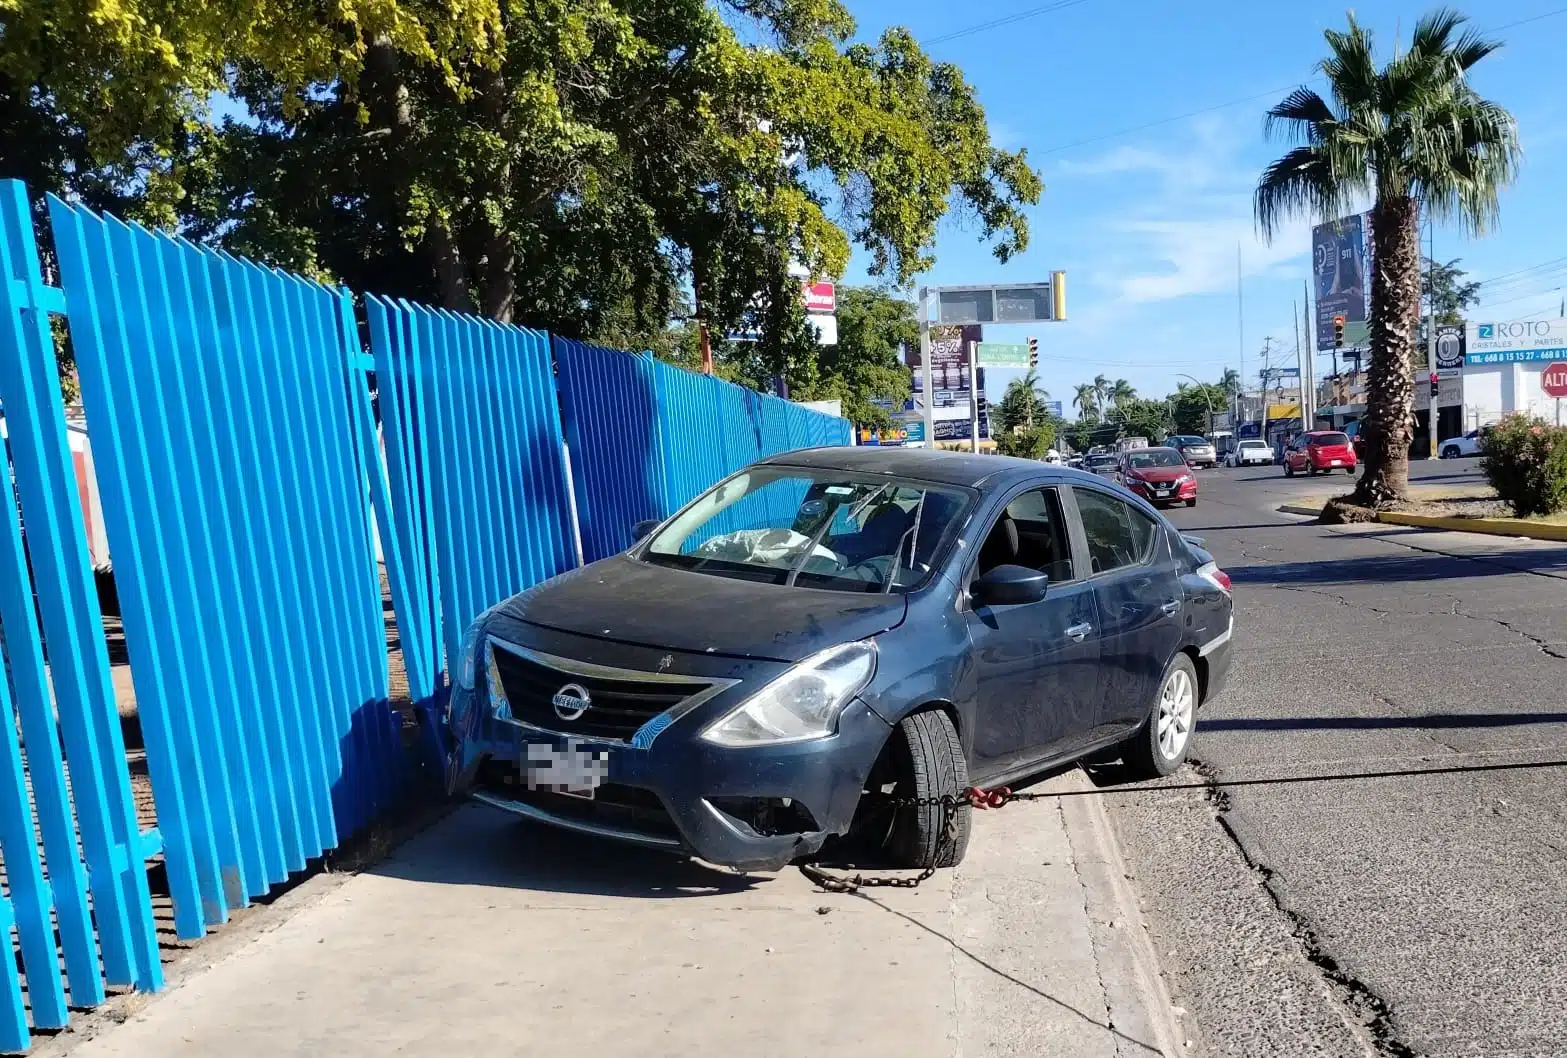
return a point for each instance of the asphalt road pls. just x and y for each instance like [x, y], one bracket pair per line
[1314, 907]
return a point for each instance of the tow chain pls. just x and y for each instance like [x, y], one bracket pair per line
[974, 797]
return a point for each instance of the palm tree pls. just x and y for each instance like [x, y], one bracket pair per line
[1023, 401]
[1102, 389]
[1121, 392]
[1230, 381]
[1087, 401]
[1411, 135]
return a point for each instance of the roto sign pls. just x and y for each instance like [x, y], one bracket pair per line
[1516, 341]
[1554, 380]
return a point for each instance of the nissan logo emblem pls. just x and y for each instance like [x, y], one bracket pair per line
[571, 701]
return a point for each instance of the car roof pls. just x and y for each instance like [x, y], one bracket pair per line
[1319, 433]
[966, 469]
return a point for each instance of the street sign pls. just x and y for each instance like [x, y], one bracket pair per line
[1001, 354]
[1554, 380]
[819, 297]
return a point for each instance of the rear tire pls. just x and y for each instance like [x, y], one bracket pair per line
[1160, 746]
[933, 766]
[1450, 452]
[1350, 471]
[1191, 503]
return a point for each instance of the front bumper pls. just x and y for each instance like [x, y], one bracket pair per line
[1186, 490]
[755, 809]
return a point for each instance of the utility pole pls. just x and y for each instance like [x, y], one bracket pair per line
[930, 394]
[1309, 361]
[1431, 414]
[1300, 366]
[1267, 353]
[1240, 328]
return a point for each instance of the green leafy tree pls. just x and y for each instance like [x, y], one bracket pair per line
[1023, 404]
[1411, 135]
[1444, 287]
[1141, 417]
[1190, 406]
[1029, 443]
[873, 329]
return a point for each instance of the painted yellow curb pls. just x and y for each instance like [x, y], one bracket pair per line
[1488, 526]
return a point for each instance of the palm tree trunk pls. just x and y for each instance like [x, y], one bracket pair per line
[1395, 313]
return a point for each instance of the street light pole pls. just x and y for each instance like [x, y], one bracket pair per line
[1207, 398]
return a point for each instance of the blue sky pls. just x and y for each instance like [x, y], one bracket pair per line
[1146, 223]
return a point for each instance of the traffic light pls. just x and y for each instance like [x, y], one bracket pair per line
[1435, 385]
[1033, 352]
[1338, 332]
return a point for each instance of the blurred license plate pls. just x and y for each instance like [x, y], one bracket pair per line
[1337, 462]
[1162, 490]
[574, 770]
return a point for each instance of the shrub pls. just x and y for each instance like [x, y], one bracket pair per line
[1029, 444]
[1525, 460]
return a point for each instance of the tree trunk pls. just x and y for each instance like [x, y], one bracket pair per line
[1395, 313]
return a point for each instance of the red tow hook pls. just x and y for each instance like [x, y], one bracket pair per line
[983, 799]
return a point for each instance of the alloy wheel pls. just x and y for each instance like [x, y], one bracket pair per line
[1176, 701]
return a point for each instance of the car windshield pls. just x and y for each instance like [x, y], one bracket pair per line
[1329, 439]
[1191, 440]
[814, 528]
[1155, 457]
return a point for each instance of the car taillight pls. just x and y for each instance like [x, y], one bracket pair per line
[1211, 573]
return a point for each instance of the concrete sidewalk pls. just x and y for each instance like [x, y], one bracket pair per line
[486, 936]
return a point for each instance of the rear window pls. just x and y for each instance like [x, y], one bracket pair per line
[1253, 444]
[1330, 439]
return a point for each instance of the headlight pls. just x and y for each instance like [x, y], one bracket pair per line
[466, 669]
[801, 704]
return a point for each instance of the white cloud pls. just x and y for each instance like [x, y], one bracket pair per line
[1197, 254]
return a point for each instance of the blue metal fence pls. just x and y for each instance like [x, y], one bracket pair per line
[235, 504]
[246, 482]
[646, 437]
[479, 497]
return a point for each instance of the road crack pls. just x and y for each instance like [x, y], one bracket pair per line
[1361, 1005]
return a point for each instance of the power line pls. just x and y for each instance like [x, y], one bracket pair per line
[1005, 20]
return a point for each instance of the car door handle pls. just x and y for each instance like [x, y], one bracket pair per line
[1079, 632]
[1171, 608]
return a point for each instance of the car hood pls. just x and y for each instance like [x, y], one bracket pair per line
[1161, 475]
[628, 601]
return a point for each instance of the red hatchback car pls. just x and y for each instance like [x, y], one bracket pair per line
[1320, 452]
[1159, 475]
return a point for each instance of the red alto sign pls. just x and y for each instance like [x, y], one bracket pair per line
[1554, 380]
[820, 297]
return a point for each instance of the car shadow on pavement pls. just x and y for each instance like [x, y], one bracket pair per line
[476, 845]
[1393, 570]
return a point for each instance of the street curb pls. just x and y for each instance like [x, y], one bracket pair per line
[1486, 526]
[1479, 526]
[1114, 890]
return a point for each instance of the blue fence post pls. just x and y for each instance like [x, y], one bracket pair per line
[73, 623]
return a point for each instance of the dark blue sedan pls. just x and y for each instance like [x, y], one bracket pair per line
[829, 634]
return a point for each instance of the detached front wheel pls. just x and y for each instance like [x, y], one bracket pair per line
[923, 761]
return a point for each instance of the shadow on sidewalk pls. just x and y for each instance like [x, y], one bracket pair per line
[481, 846]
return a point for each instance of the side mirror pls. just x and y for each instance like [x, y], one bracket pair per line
[643, 529]
[1010, 586]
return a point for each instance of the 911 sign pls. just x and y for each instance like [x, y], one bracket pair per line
[1554, 380]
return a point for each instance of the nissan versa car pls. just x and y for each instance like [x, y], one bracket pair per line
[1160, 476]
[830, 633]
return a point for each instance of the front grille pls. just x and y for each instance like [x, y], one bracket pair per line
[620, 706]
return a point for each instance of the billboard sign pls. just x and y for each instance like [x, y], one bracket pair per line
[1338, 264]
[1053, 407]
[1515, 342]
